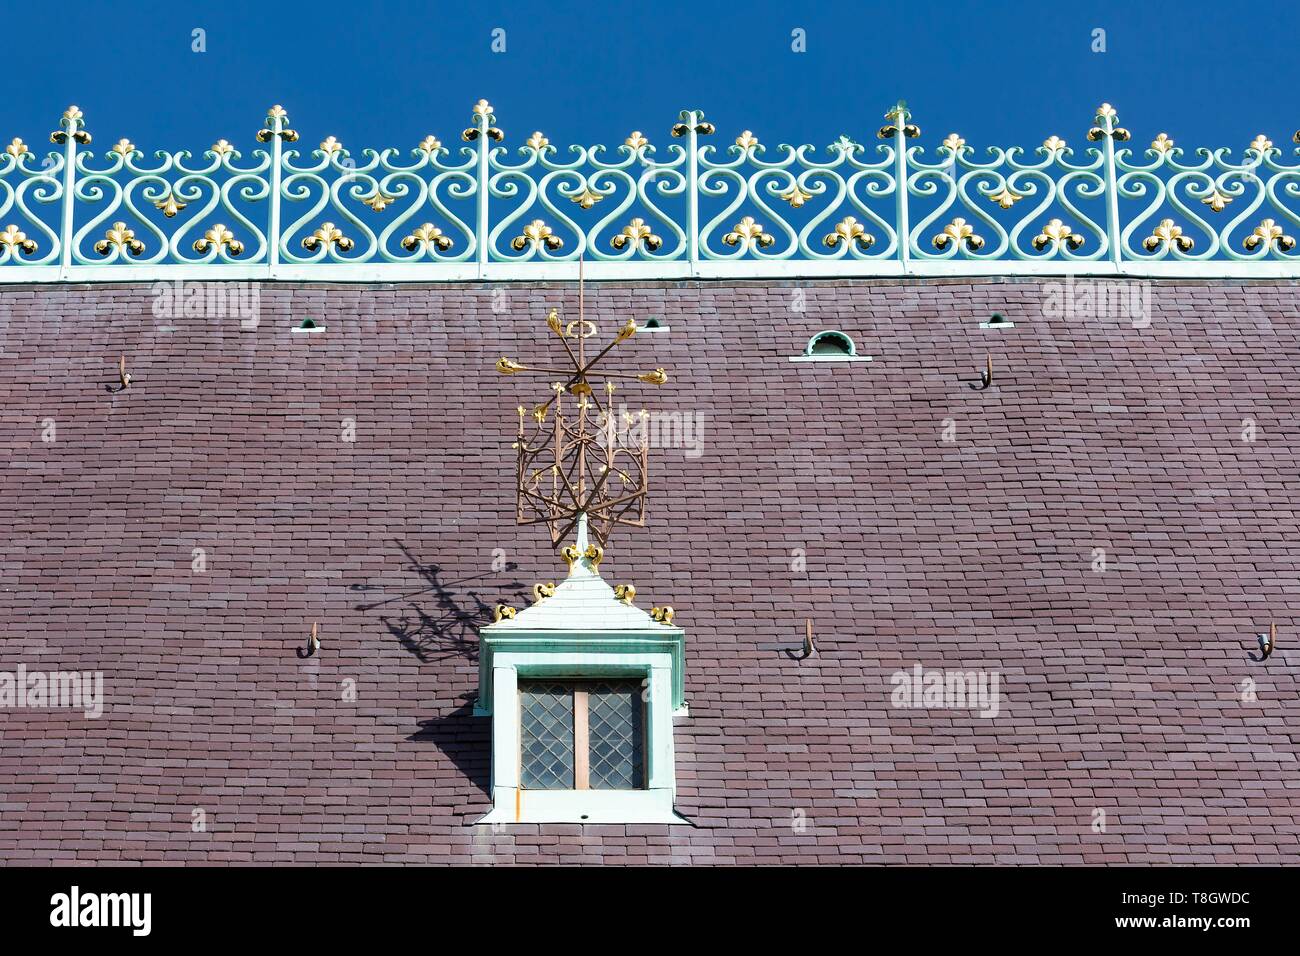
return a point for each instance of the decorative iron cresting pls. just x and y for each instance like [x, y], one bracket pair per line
[687, 207]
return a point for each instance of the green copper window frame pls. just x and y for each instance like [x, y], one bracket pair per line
[513, 804]
[545, 746]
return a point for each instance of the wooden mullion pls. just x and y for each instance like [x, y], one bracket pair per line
[581, 739]
[645, 732]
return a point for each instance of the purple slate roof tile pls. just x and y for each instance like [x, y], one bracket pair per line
[1122, 691]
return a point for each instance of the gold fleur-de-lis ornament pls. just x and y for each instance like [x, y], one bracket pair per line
[962, 233]
[1270, 234]
[1056, 233]
[327, 235]
[14, 239]
[1005, 197]
[796, 195]
[849, 230]
[1169, 236]
[427, 235]
[169, 204]
[219, 237]
[1216, 200]
[1162, 144]
[72, 124]
[119, 237]
[586, 197]
[638, 233]
[537, 234]
[749, 232]
[483, 123]
[277, 122]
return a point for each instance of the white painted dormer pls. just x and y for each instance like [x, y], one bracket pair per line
[582, 688]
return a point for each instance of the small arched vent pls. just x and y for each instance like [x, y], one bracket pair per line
[997, 321]
[830, 346]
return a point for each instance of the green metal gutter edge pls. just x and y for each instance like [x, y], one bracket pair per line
[606, 644]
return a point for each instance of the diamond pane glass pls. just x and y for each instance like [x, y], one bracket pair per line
[546, 736]
[615, 719]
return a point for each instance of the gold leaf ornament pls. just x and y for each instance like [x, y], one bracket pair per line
[1269, 233]
[960, 232]
[849, 230]
[119, 237]
[14, 239]
[1169, 236]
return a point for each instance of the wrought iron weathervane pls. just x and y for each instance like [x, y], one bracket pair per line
[586, 458]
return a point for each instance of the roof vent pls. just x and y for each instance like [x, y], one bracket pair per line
[653, 324]
[830, 346]
[309, 325]
[997, 321]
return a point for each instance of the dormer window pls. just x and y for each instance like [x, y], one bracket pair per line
[830, 346]
[582, 735]
[582, 688]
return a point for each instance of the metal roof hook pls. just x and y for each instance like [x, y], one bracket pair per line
[123, 377]
[809, 646]
[313, 642]
[1267, 642]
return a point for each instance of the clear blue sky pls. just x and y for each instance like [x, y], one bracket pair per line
[1010, 73]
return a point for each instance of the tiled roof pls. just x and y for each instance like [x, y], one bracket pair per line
[821, 491]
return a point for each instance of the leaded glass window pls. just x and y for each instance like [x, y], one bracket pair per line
[546, 732]
[582, 735]
[616, 733]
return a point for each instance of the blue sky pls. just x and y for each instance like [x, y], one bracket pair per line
[1206, 73]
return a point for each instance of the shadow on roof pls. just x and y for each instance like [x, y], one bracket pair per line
[440, 619]
[467, 742]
